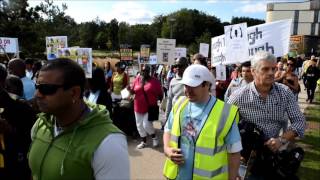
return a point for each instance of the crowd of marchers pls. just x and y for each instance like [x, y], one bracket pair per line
[57, 124]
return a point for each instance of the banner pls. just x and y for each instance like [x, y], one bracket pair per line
[83, 56]
[236, 43]
[204, 49]
[53, 43]
[144, 54]
[9, 45]
[273, 37]
[180, 52]
[165, 50]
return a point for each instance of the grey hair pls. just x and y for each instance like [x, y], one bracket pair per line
[262, 56]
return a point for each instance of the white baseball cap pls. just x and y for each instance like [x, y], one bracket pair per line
[195, 74]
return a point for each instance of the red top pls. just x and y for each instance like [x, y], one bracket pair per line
[152, 89]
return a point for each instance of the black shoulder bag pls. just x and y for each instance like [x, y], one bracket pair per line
[153, 110]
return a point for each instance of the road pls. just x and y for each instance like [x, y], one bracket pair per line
[148, 163]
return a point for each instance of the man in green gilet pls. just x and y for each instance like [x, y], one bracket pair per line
[71, 138]
[201, 137]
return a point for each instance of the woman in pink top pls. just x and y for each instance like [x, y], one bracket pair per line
[145, 86]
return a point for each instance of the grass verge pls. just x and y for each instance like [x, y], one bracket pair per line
[310, 167]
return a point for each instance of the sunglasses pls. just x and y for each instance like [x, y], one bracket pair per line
[48, 89]
[290, 64]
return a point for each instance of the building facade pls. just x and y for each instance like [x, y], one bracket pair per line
[305, 29]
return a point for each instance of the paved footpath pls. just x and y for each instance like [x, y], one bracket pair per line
[147, 163]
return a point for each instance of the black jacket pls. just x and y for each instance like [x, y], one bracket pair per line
[20, 117]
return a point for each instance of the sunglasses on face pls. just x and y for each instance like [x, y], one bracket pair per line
[290, 64]
[48, 89]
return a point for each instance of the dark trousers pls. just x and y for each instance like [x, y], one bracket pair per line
[310, 92]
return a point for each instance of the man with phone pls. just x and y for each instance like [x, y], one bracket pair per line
[201, 138]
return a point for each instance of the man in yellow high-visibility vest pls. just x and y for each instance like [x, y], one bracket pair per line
[201, 138]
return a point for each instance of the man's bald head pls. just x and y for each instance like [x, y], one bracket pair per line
[17, 67]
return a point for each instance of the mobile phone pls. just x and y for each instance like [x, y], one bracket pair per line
[242, 171]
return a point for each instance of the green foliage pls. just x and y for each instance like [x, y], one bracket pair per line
[248, 20]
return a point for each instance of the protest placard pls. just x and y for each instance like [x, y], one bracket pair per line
[160, 67]
[153, 59]
[180, 52]
[273, 37]
[144, 54]
[221, 72]
[9, 45]
[125, 52]
[204, 49]
[165, 50]
[83, 56]
[236, 43]
[218, 50]
[53, 43]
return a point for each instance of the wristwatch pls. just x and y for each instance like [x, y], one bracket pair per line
[283, 140]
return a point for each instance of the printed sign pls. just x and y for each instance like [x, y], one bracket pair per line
[221, 72]
[144, 54]
[296, 43]
[273, 37]
[218, 50]
[126, 54]
[180, 52]
[204, 49]
[160, 67]
[83, 56]
[9, 45]
[236, 42]
[153, 59]
[53, 43]
[165, 50]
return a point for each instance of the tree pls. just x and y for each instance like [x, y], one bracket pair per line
[190, 24]
[124, 33]
[248, 20]
[113, 35]
[87, 34]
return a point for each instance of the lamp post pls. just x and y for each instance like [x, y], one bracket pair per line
[171, 20]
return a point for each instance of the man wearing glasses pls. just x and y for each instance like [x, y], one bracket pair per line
[71, 138]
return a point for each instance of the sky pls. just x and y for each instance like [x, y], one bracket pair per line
[143, 11]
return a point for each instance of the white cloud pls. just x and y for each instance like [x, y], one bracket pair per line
[245, 1]
[252, 8]
[212, 1]
[130, 12]
[172, 1]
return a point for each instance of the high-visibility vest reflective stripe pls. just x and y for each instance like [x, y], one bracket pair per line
[210, 160]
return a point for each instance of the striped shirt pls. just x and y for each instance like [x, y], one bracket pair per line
[269, 114]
